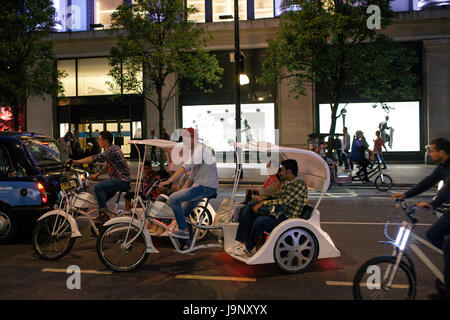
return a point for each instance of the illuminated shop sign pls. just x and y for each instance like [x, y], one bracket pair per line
[399, 128]
[217, 127]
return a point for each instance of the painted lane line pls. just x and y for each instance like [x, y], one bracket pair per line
[350, 284]
[197, 277]
[81, 271]
[372, 223]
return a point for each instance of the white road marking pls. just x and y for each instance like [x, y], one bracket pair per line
[370, 223]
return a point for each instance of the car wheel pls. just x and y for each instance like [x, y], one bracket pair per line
[9, 226]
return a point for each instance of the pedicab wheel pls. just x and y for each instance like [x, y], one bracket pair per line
[195, 219]
[383, 182]
[115, 250]
[369, 283]
[52, 237]
[296, 250]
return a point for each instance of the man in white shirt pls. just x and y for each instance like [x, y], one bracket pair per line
[201, 162]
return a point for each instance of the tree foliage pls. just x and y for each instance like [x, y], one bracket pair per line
[27, 62]
[158, 43]
[328, 42]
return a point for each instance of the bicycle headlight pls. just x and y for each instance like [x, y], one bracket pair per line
[440, 185]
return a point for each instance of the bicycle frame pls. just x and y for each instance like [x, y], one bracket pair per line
[407, 239]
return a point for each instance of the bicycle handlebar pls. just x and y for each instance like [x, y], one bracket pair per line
[409, 211]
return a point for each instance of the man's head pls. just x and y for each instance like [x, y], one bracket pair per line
[190, 135]
[377, 133]
[153, 132]
[105, 139]
[89, 146]
[289, 169]
[440, 150]
[344, 130]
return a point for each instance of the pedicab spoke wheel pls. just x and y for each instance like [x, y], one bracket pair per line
[195, 219]
[116, 253]
[296, 250]
[383, 182]
[52, 237]
[370, 282]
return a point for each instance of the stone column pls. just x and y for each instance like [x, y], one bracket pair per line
[39, 115]
[437, 87]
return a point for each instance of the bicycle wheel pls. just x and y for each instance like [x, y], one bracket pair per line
[383, 182]
[369, 283]
[117, 257]
[52, 237]
[195, 219]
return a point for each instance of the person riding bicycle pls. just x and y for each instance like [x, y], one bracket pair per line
[359, 147]
[117, 168]
[200, 161]
[439, 233]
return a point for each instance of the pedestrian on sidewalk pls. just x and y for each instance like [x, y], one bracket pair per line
[346, 149]
[378, 143]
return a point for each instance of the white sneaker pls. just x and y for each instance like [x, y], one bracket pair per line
[243, 252]
[237, 247]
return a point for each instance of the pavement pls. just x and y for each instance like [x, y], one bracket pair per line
[403, 175]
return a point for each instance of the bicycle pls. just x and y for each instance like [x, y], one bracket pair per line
[55, 232]
[394, 277]
[126, 243]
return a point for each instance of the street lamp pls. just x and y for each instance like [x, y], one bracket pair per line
[237, 72]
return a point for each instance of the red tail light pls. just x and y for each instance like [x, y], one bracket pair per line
[43, 193]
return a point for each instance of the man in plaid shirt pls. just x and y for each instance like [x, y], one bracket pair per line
[117, 168]
[254, 220]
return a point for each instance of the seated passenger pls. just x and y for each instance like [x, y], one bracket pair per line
[254, 220]
[147, 182]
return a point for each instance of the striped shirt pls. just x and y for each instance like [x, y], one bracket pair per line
[115, 161]
[293, 196]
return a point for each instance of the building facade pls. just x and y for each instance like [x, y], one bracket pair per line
[268, 113]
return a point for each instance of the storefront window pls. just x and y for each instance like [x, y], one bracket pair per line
[137, 129]
[216, 123]
[399, 128]
[69, 81]
[200, 15]
[132, 89]
[92, 77]
[70, 15]
[263, 9]
[103, 10]
[226, 7]
[63, 129]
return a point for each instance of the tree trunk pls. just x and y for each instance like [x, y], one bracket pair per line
[162, 156]
[334, 108]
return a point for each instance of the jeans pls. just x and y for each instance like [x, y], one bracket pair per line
[153, 155]
[378, 157]
[105, 190]
[252, 226]
[345, 159]
[439, 236]
[192, 196]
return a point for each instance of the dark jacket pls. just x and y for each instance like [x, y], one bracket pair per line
[442, 172]
[358, 150]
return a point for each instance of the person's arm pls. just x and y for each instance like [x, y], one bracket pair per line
[180, 171]
[88, 159]
[424, 185]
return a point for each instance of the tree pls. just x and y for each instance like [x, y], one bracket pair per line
[27, 63]
[329, 42]
[158, 43]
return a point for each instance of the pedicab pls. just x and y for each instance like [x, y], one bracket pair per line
[293, 245]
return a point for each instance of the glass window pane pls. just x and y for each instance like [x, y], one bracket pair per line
[137, 130]
[226, 7]
[132, 88]
[69, 81]
[200, 15]
[103, 10]
[92, 77]
[263, 9]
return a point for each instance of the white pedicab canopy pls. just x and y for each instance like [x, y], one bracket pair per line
[311, 167]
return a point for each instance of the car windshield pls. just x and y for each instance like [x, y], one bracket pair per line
[44, 151]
